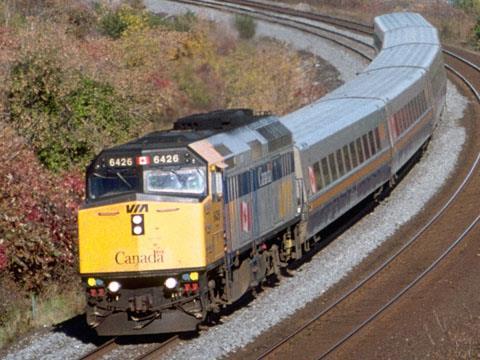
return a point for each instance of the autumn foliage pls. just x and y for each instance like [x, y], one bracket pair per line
[79, 76]
[37, 217]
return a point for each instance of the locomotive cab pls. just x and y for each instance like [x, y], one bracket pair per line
[147, 231]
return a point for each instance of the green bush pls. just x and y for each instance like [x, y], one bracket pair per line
[245, 26]
[185, 22]
[112, 24]
[96, 117]
[93, 117]
[81, 20]
[194, 87]
[33, 98]
[477, 31]
[181, 23]
[66, 123]
[470, 6]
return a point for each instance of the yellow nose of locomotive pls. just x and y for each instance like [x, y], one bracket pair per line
[142, 236]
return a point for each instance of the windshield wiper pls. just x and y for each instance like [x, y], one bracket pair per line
[100, 175]
[120, 176]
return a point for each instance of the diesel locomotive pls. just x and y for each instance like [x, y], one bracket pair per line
[179, 223]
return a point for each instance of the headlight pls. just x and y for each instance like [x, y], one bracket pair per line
[138, 225]
[171, 283]
[114, 286]
[137, 230]
[137, 219]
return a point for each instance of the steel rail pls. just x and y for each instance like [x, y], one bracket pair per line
[345, 23]
[284, 21]
[314, 16]
[458, 57]
[378, 269]
[402, 292]
[256, 10]
[112, 344]
[472, 88]
[153, 353]
[101, 350]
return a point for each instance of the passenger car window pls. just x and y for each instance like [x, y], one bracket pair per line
[365, 147]
[326, 172]
[333, 167]
[371, 141]
[377, 139]
[346, 155]
[359, 151]
[341, 168]
[318, 176]
[353, 153]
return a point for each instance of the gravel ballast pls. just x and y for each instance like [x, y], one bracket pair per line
[312, 279]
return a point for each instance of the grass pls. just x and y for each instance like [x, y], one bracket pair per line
[54, 306]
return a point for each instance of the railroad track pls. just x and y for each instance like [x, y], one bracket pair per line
[344, 311]
[292, 19]
[327, 19]
[348, 319]
[158, 350]
[153, 351]
[101, 350]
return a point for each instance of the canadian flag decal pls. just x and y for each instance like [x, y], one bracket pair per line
[246, 217]
[143, 160]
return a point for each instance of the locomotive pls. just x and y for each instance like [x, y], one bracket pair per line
[179, 223]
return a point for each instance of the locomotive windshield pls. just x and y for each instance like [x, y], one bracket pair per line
[163, 172]
[185, 181]
[112, 182]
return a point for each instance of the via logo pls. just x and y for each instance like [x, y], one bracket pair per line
[137, 208]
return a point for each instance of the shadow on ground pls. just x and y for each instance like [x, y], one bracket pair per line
[77, 328]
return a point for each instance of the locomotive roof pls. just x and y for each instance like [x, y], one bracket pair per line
[163, 139]
[190, 129]
[240, 146]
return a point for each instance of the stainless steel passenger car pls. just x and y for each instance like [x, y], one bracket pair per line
[355, 139]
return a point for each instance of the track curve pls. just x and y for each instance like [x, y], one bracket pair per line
[471, 70]
[473, 171]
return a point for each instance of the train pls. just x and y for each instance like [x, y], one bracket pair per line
[180, 223]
